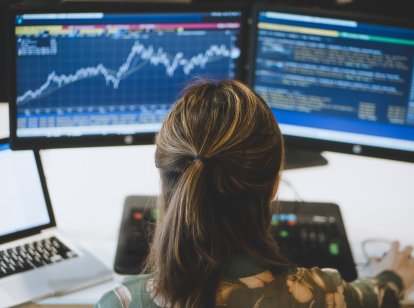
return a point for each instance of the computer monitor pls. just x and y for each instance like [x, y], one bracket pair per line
[107, 74]
[336, 81]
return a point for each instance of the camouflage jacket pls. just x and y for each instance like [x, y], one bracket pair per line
[246, 284]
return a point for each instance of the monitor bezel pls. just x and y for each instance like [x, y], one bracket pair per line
[313, 144]
[126, 7]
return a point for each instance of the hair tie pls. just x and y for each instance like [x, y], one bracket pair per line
[202, 158]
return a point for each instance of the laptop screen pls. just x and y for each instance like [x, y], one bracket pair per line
[22, 202]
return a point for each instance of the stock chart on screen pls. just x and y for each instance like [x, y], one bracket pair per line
[96, 74]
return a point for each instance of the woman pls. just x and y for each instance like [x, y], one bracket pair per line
[220, 153]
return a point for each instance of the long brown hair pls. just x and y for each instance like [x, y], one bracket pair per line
[219, 153]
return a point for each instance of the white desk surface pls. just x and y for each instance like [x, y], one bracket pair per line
[88, 187]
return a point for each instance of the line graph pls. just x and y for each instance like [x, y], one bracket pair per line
[114, 83]
[148, 54]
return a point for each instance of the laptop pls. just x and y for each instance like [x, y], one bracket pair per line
[35, 259]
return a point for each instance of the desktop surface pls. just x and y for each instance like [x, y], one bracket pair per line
[95, 182]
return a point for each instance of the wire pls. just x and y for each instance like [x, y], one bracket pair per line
[293, 189]
[382, 244]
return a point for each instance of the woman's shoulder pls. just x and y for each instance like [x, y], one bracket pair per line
[296, 284]
[306, 287]
[132, 291]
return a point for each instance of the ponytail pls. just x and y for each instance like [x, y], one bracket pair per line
[186, 252]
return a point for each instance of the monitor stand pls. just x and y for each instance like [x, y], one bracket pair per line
[295, 158]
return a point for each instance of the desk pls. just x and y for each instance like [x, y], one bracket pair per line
[88, 187]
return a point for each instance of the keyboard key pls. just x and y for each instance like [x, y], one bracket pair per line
[37, 254]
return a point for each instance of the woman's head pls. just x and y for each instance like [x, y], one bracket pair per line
[232, 132]
[219, 153]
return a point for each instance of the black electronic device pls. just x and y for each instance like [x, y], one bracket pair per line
[137, 226]
[99, 74]
[336, 81]
[313, 234]
[309, 234]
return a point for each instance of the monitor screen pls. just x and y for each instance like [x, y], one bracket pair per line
[106, 77]
[22, 199]
[336, 82]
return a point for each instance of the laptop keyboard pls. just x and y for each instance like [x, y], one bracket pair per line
[33, 255]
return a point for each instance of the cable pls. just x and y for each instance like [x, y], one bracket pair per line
[294, 190]
[375, 241]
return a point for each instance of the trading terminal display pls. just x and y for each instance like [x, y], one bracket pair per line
[97, 74]
[334, 81]
[337, 79]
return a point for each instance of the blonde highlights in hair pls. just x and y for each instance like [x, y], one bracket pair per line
[219, 153]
